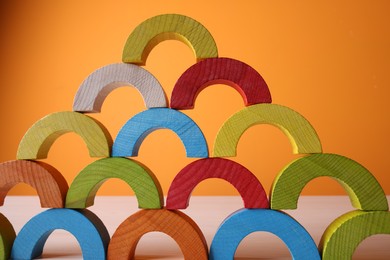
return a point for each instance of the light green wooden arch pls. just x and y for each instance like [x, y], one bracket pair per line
[302, 135]
[168, 27]
[363, 189]
[37, 141]
[82, 191]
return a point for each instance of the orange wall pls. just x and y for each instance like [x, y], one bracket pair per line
[328, 61]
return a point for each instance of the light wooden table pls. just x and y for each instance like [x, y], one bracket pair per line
[314, 213]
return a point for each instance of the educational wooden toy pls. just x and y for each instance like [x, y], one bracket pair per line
[95, 88]
[131, 135]
[85, 226]
[38, 139]
[82, 191]
[166, 27]
[49, 183]
[243, 222]
[249, 187]
[176, 224]
[302, 135]
[7, 237]
[338, 242]
[242, 77]
[363, 189]
[345, 233]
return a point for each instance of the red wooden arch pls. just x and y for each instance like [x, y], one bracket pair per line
[249, 187]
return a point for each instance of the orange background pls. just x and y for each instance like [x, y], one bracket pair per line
[328, 61]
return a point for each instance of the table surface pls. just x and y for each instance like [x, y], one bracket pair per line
[314, 213]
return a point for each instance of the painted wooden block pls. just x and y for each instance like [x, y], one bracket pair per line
[96, 87]
[345, 233]
[363, 189]
[168, 27]
[246, 221]
[302, 135]
[85, 226]
[7, 237]
[249, 187]
[146, 187]
[176, 224]
[242, 77]
[49, 183]
[131, 135]
[37, 141]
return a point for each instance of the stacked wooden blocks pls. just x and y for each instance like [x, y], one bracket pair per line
[68, 204]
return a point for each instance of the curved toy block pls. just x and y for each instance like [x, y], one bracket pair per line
[246, 221]
[7, 237]
[39, 138]
[146, 187]
[49, 183]
[242, 77]
[168, 27]
[133, 133]
[173, 223]
[87, 228]
[95, 88]
[345, 233]
[249, 187]
[363, 189]
[302, 135]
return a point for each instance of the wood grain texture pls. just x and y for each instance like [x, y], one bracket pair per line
[37, 141]
[246, 221]
[247, 184]
[145, 185]
[344, 234]
[7, 237]
[302, 135]
[363, 189]
[85, 226]
[168, 27]
[132, 134]
[173, 223]
[49, 183]
[96, 87]
[239, 75]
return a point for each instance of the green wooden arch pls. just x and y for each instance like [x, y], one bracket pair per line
[82, 191]
[345, 233]
[363, 189]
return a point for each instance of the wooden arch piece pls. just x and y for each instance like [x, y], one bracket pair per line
[242, 77]
[49, 183]
[37, 141]
[345, 233]
[249, 187]
[132, 134]
[86, 227]
[176, 224]
[168, 27]
[7, 237]
[146, 187]
[95, 88]
[363, 189]
[302, 135]
[246, 221]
